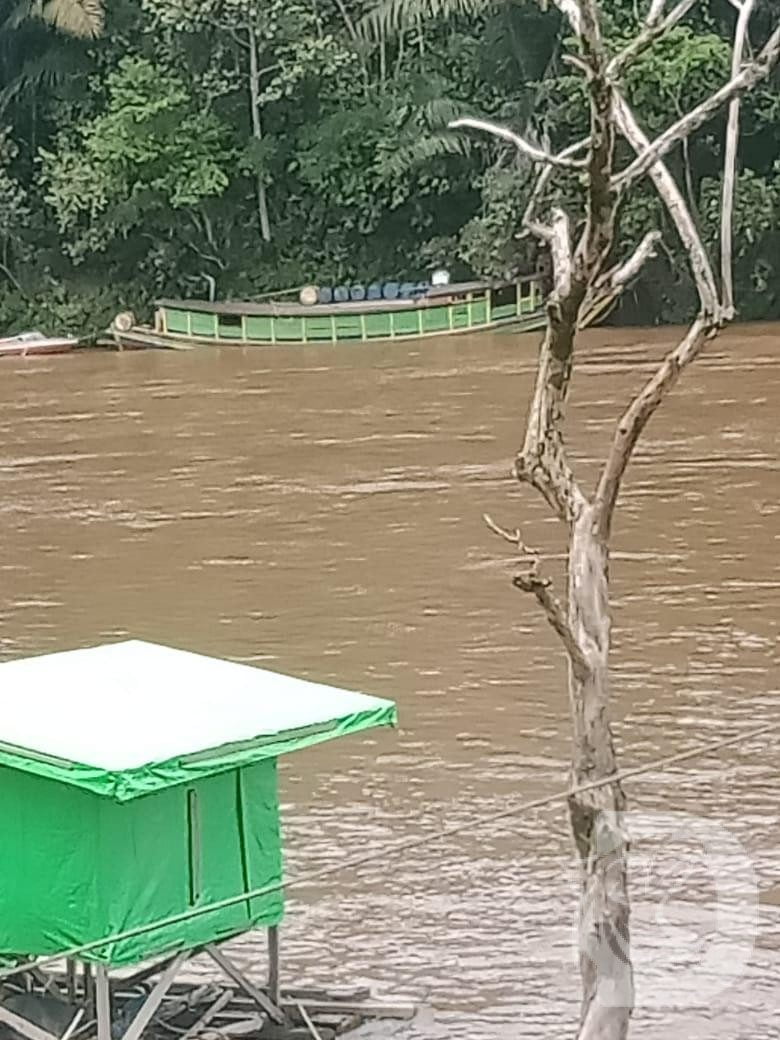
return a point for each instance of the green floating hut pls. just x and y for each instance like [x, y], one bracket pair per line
[138, 789]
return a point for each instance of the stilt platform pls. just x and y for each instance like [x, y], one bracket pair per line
[154, 1002]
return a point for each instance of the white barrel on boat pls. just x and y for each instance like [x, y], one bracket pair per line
[309, 295]
[124, 321]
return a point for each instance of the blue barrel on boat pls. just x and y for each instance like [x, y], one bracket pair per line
[421, 288]
[390, 290]
[357, 293]
[325, 294]
[407, 290]
[374, 291]
[341, 294]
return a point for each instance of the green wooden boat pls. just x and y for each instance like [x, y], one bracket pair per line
[440, 310]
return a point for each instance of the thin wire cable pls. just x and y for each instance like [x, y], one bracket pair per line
[395, 849]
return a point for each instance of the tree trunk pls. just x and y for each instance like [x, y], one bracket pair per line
[257, 133]
[597, 816]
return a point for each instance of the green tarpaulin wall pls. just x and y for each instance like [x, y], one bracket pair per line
[137, 784]
[76, 866]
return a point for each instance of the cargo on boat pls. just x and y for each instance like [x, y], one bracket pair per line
[344, 315]
[141, 825]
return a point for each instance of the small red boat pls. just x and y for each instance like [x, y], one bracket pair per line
[36, 343]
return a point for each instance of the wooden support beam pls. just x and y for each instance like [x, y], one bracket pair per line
[155, 998]
[103, 1002]
[264, 1002]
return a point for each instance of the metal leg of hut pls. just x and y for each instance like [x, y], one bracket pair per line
[103, 1003]
[89, 988]
[274, 990]
[70, 979]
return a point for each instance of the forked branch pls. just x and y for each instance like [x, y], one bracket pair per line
[750, 75]
[530, 151]
[609, 286]
[671, 196]
[541, 184]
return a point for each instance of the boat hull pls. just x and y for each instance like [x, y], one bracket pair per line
[144, 337]
[21, 348]
[472, 307]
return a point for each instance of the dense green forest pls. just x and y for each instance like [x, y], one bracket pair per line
[155, 147]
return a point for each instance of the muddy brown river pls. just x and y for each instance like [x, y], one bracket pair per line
[318, 511]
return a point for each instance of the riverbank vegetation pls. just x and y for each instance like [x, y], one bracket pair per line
[160, 147]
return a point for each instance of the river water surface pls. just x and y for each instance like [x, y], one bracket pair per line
[318, 511]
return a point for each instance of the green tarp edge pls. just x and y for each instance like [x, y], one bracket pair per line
[134, 783]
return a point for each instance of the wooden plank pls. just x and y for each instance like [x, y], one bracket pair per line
[214, 1009]
[308, 1022]
[352, 996]
[24, 1026]
[245, 1026]
[375, 1009]
[155, 998]
[103, 1003]
[271, 1009]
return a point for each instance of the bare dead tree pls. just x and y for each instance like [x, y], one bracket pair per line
[586, 274]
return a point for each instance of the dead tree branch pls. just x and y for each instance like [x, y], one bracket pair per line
[609, 286]
[712, 312]
[541, 183]
[513, 537]
[666, 186]
[636, 416]
[730, 163]
[541, 589]
[750, 75]
[542, 461]
[530, 151]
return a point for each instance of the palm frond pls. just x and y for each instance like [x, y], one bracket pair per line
[82, 18]
[439, 112]
[427, 147]
[47, 70]
[391, 16]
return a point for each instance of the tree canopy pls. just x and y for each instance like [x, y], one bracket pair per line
[150, 146]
